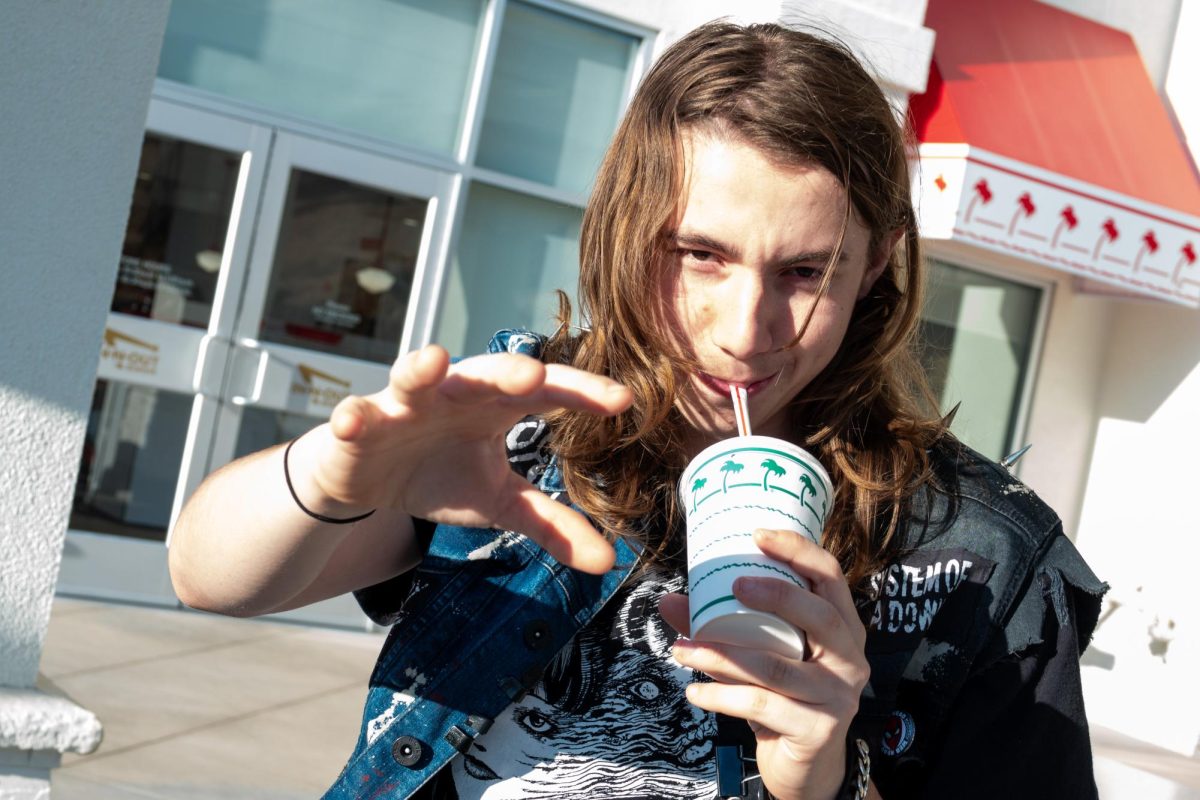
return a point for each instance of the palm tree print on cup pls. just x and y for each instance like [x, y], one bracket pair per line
[771, 467]
[807, 488]
[696, 487]
[730, 467]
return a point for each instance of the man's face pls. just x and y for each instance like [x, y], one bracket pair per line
[752, 243]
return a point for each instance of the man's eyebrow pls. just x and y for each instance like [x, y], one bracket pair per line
[699, 241]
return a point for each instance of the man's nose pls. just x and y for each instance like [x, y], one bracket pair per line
[743, 317]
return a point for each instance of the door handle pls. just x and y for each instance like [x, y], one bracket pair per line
[206, 378]
[247, 344]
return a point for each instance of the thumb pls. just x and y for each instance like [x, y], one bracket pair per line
[352, 418]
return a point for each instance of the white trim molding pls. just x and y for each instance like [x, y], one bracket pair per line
[976, 197]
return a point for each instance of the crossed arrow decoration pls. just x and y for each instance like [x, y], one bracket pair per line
[982, 194]
[1188, 256]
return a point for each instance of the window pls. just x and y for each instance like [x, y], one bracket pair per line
[556, 93]
[558, 85]
[131, 459]
[978, 332]
[394, 69]
[176, 232]
[513, 252]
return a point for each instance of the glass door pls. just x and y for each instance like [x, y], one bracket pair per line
[182, 268]
[332, 296]
[215, 347]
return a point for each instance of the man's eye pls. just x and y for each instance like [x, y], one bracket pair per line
[804, 273]
[698, 255]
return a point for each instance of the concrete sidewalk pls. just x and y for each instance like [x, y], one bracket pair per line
[199, 707]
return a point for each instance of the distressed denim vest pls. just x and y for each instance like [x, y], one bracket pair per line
[486, 612]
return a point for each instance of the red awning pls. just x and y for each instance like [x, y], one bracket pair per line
[1049, 88]
[1058, 112]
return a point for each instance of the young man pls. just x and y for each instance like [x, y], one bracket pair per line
[752, 225]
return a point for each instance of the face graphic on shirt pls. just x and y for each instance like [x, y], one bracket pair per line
[621, 730]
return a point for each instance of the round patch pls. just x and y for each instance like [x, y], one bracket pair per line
[898, 733]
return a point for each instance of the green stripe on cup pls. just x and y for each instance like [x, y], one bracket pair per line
[712, 603]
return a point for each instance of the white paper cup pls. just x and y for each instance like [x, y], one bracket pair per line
[729, 490]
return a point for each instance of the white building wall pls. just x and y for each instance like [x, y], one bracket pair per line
[1139, 524]
[1182, 70]
[1062, 417]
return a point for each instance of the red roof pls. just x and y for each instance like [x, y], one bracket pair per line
[1040, 85]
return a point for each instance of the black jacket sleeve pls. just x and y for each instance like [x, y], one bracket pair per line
[1019, 727]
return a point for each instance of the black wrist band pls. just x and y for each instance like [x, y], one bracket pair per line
[287, 477]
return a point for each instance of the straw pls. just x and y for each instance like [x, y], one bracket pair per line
[741, 409]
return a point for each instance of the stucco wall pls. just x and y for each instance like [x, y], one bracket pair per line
[1062, 416]
[75, 80]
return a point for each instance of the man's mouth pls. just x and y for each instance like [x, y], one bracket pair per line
[722, 387]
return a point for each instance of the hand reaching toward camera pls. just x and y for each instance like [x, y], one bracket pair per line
[431, 444]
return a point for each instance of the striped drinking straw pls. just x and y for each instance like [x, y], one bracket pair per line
[741, 409]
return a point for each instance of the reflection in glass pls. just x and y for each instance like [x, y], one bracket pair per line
[513, 253]
[343, 268]
[395, 69]
[262, 428]
[176, 232]
[977, 332]
[557, 89]
[131, 458]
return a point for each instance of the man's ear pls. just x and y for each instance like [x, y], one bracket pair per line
[879, 262]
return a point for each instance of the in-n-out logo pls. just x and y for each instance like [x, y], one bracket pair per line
[319, 387]
[128, 354]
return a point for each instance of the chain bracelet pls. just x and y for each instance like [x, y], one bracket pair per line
[862, 781]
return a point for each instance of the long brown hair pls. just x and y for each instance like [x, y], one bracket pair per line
[868, 416]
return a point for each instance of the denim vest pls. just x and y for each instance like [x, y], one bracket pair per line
[487, 610]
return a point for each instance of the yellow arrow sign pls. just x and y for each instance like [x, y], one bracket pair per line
[308, 373]
[111, 338]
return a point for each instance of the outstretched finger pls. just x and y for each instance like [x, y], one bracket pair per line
[497, 375]
[564, 533]
[416, 374]
[575, 389]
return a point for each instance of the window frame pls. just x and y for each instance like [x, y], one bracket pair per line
[1013, 273]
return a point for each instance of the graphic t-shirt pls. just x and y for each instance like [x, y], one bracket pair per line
[608, 719]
